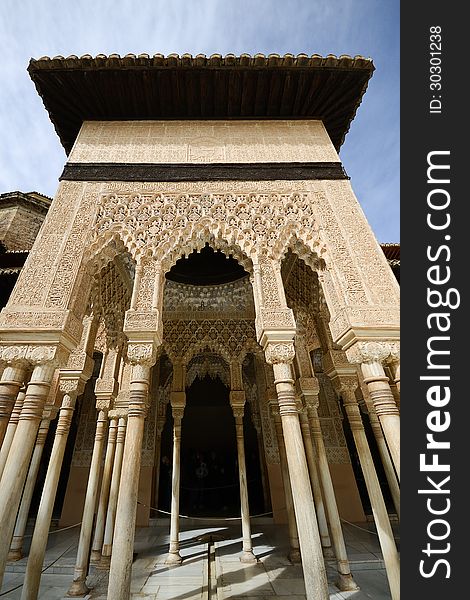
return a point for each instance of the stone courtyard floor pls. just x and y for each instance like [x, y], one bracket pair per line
[211, 569]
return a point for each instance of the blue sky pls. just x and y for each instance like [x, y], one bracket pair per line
[31, 157]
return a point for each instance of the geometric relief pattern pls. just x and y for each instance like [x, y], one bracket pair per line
[231, 338]
[160, 221]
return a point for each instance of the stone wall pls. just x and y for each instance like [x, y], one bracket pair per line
[21, 216]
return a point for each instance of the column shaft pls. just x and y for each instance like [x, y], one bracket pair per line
[379, 510]
[123, 542]
[316, 485]
[16, 547]
[78, 586]
[346, 581]
[10, 431]
[113, 493]
[104, 493]
[43, 520]
[17, 465]
[174, 556]
[386, 460]
[385, 407]
[247, 553]
[309, 537]
[294, 553]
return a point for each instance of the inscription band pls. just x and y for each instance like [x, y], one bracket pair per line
[202, 172]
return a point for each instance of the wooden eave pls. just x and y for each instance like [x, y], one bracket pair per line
[145, 87]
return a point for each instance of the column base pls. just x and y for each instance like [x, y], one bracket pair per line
[104, 564]
[329, 553]
[15, 555]
[248, 557]
[173, 558]
[78, 588]
[346, 583]
[294, 557]
[95, 556]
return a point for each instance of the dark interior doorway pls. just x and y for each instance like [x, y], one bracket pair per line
[209, 466]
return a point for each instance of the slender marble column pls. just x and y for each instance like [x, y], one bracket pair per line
[177, 408]
[98, 538]
[237, 401]
[123, 542]
[294, 552]
[43, 520]
[19, 457]
[384, 530]
[280, 355]
[113, 494]
[78, 586]
[11, 428]
[385, 456]
[316, 485]
[346, 581]
[385, 407]
[10, 383]
[16, 547]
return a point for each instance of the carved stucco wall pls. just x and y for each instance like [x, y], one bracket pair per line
[203, 142]
[322, 219]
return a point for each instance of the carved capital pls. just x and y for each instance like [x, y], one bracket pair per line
[71, 386]
[118, 413]
[40, 355]
[142, 354]
[276, 353]
[103, 404]
[178, 399]
[367, 352]
[312, 403]
[238, 411]
[13, 354]
[237, 399]
[307, 386]
[177, 413]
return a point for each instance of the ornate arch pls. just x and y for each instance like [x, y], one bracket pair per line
[210, 364]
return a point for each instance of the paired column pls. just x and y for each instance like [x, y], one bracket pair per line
[237, 402]
[383, 450]
[71, 389]
[16, 547]
[316, 485]
[114, 490]
[294, 552]
[371, 356]
[346, 581]
[98, 538]
[384, 530]
[106, 388]
[142, 357]
[280, 355]
[309, 388]
[178, 403]
[78, 586]
[17, 465]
